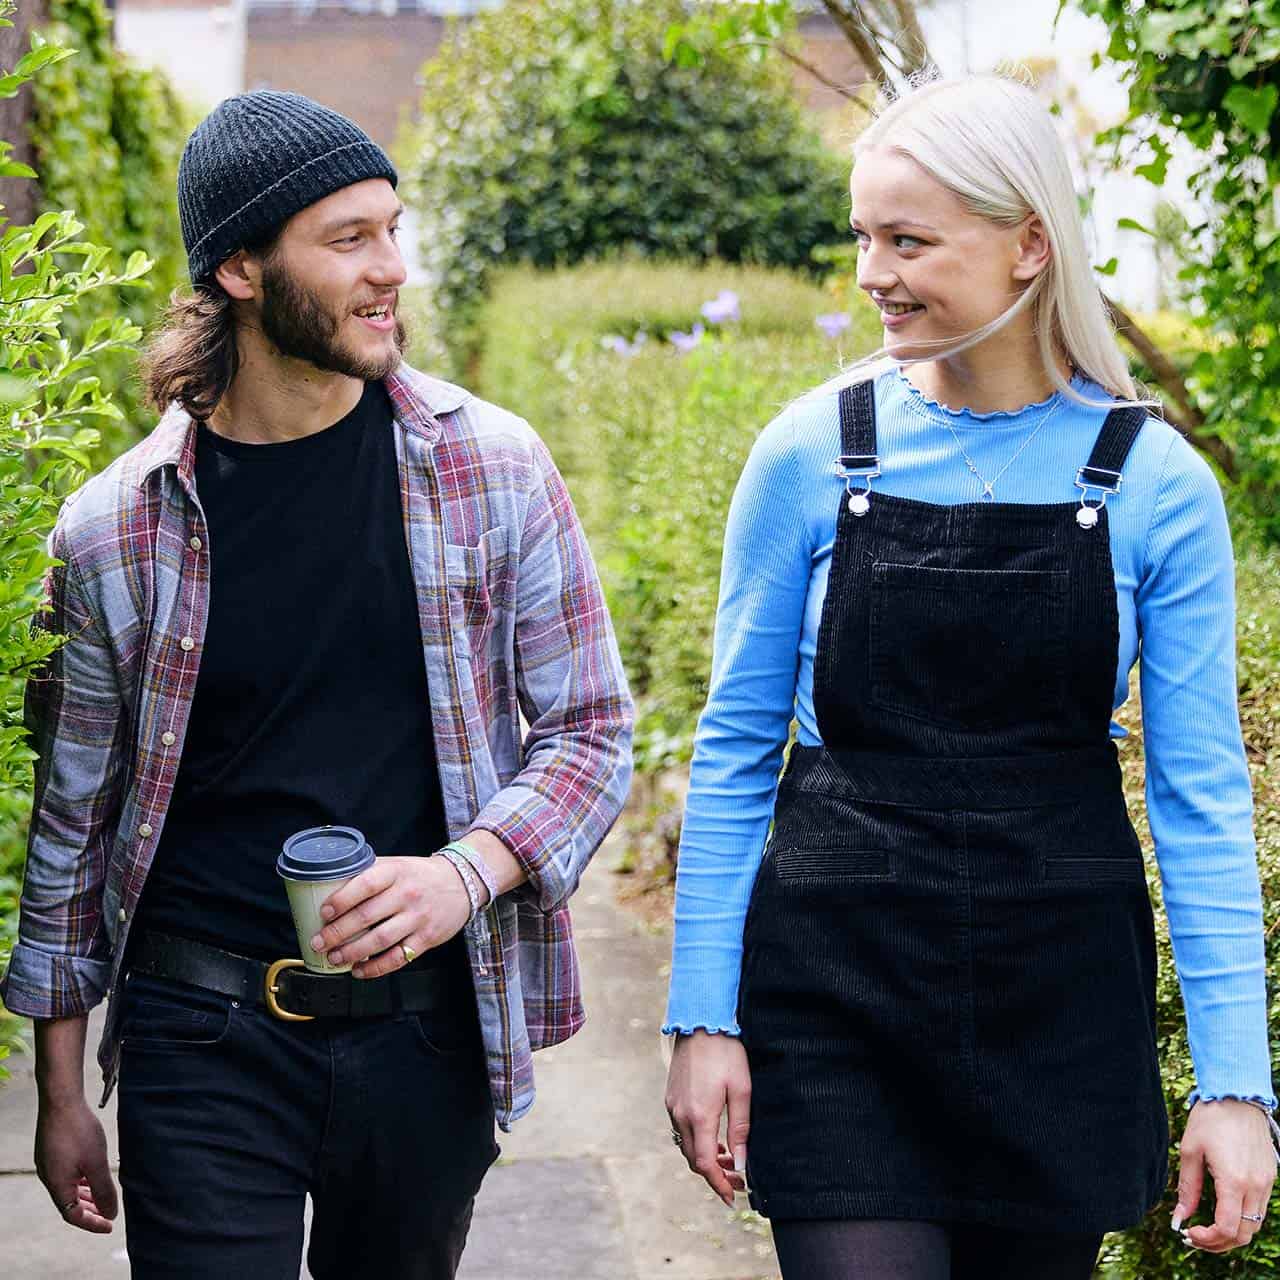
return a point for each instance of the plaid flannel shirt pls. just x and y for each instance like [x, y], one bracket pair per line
[513, 620]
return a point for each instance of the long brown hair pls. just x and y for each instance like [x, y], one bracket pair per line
[193, 355]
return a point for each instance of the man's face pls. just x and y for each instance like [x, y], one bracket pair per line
[334, 262]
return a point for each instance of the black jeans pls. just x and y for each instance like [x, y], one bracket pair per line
[228, 1117]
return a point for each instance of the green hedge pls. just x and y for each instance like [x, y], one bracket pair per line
[553, 131]
[652, 445]
[108, 136]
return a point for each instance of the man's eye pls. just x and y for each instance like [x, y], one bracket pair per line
[913, 240]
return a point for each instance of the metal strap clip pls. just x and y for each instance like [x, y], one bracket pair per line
[858, 466]
[1089, 479]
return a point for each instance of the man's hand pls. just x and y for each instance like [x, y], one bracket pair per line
[1232, 1142]
[71, 1161]
[708, 1075]
[71, 1148]
[417, 903]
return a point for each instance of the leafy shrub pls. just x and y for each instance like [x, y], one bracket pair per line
[555, 130]
[108, 136]
[1208, 74]
[49, 389]
[651, 444]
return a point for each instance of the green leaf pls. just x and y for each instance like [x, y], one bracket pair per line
[31, 62]
[1108, 268]
[15, 169]
[1252, 107]
[1131, 224]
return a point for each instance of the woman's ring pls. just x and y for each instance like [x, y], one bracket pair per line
[1252, 1217]
[409, 952]
[66, 1208]
[676, 1138]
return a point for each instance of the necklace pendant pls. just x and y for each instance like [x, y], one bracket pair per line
[1087, 517]
[988, 493]
[859, 504]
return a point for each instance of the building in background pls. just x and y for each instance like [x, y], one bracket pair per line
[364, 58]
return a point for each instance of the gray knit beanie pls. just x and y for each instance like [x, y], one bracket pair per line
[255, 161]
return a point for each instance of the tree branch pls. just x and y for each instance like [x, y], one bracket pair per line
[821, 77]
[855, 31]
[1182, 413]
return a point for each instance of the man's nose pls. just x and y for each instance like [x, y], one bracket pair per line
[388, 267]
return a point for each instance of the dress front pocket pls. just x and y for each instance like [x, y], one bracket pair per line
[968, 649]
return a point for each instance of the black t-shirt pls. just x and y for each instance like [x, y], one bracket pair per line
[311, 705]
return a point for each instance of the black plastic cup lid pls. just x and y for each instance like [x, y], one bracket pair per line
[324, 853]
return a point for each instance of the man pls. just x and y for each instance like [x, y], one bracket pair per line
[322, 591]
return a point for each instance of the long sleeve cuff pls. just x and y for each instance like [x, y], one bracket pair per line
[47, 984]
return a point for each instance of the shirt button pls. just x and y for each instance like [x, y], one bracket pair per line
[168, 739]
[187, 643]
[123, 915]
[145, 829]
[196, 544]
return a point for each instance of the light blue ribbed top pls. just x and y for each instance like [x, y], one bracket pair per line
[1175, 587]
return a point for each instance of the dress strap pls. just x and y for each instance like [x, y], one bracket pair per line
[858, 457]
[1101, 475]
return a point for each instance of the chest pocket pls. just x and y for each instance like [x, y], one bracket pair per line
[479, 584]
[968, 649]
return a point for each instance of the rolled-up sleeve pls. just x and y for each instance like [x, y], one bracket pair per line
[573, 693]
[60, 963]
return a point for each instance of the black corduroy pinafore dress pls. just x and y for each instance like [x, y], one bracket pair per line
[948, 983]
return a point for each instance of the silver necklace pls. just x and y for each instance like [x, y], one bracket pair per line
[989, 486]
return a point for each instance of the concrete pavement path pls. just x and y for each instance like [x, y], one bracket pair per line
[589, 1186]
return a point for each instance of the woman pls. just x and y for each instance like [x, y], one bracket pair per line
[932, 1001]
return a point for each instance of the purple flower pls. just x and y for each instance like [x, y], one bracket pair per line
[620, 346]
[834, 323]
[685, 342]
[722, 308]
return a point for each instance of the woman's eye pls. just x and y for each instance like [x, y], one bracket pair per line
[899, 239]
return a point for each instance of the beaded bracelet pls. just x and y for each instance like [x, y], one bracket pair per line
[478, 865]
[467, 874]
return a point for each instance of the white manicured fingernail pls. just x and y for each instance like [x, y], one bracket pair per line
[1176, 1224]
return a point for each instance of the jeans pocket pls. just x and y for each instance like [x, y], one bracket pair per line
[160, 1014]
[445, 1035]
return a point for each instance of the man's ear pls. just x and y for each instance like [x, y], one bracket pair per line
[1034, 249]
[239, 276]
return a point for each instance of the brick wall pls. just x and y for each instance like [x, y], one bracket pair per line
[366, 65]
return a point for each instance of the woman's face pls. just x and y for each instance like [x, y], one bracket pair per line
[934, 270]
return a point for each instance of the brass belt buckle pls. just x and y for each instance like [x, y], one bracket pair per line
[272, 990]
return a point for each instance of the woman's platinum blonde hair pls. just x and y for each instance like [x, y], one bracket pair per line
[990, 141]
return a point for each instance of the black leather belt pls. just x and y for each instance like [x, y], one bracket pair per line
[287, 988]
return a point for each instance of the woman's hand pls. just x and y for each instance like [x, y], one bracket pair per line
[1232, 1141]
[709, 1074]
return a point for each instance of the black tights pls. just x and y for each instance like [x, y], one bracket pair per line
[883, 1249]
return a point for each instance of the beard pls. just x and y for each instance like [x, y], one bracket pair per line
[300, 325]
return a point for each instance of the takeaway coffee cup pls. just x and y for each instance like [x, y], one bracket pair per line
[315, 863]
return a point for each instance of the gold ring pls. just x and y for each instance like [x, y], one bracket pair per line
[409, 952]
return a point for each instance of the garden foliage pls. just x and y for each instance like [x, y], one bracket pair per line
[108, 136]
[555, 130]
[51, 391]
[1208, 73]
[651, 442]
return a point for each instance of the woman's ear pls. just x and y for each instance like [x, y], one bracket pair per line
[234, 275]
[1033, 249]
